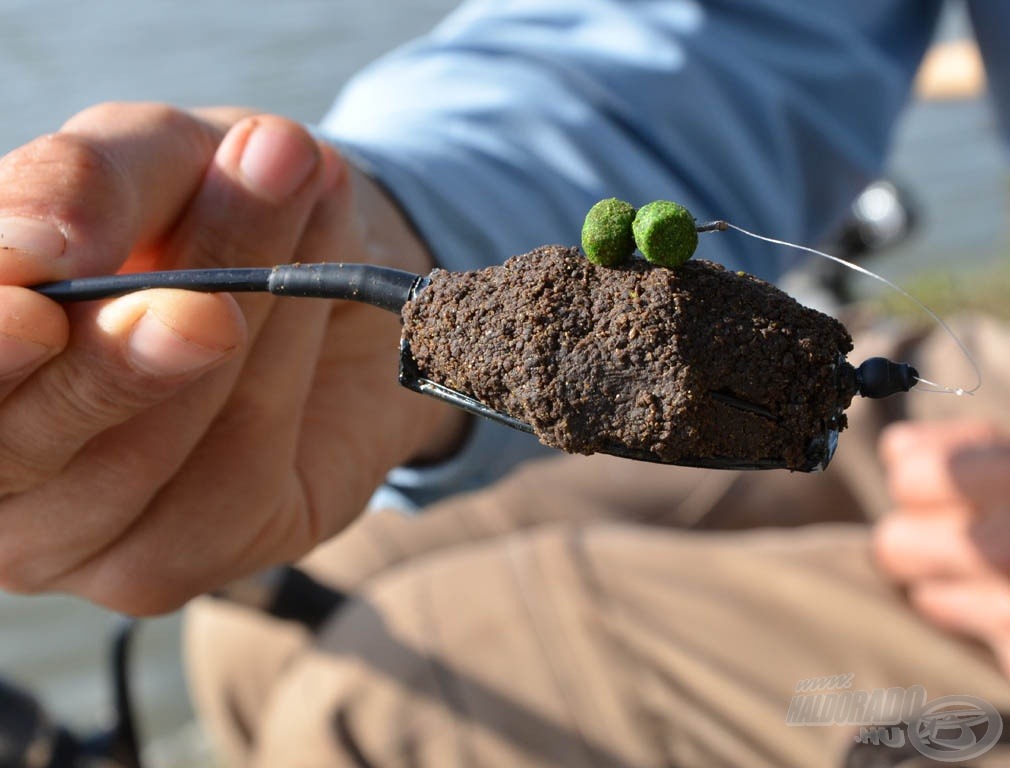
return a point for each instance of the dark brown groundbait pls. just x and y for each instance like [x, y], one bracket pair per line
[594, 357]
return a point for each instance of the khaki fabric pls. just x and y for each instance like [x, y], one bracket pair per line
[611, 645]
[589, 611]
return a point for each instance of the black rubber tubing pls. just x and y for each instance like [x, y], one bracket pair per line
[379, 286]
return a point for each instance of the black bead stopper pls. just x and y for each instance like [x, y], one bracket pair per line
[879, 377]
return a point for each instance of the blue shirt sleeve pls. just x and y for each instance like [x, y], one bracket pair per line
[991, 22]
[499, 129]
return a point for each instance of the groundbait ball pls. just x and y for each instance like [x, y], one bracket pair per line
[666, 233]
[607, 238]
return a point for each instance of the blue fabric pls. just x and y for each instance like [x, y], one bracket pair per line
[499, 129]
[991, 22]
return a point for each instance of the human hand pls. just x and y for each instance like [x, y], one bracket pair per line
[155, 446]
[948, 538]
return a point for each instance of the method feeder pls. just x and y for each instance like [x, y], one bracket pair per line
[391, 289]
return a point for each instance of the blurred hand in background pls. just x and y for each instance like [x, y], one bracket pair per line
[947, 539]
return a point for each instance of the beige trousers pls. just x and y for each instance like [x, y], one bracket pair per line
[589, 611]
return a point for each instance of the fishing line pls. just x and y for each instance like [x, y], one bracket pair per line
[933, 386]
[391, 289]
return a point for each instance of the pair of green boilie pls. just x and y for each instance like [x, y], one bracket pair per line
[664, 232]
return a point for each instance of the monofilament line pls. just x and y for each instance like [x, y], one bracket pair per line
[936, 318]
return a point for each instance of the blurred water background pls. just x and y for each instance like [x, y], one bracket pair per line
[58, 56]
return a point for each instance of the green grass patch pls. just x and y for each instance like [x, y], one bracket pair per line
[985, 289]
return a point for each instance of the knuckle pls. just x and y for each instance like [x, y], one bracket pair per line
[201, 136]
[248, 413]
[90, 182]
[135, 474]
[103, 113]
[99, 394]
[18, 576]
[221, 242]
[882, 550]
[119, 113]
[79, 155]
[79, 405]
[19, 470]
[77, 402]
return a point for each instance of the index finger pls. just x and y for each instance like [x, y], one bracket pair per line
[112, 180]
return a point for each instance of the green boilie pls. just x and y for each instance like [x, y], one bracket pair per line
[666, 233]
[607, 237]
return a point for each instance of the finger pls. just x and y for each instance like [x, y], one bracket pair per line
[99, 495]
[897, 439]
[981, 474]
[910, 547]
[255, 229]
[244, 469]
[976, 607]
[32, 331]
[937, 464]
[266, 167]
[74, 203]
[139, 351]
[116, 177]
[130, 355]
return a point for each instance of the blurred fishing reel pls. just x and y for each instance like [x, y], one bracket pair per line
[883, 216]
[30, 738]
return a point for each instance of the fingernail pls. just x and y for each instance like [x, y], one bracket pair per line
[155, 349]
[31, 236]
[17, 355]
[275, 162]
